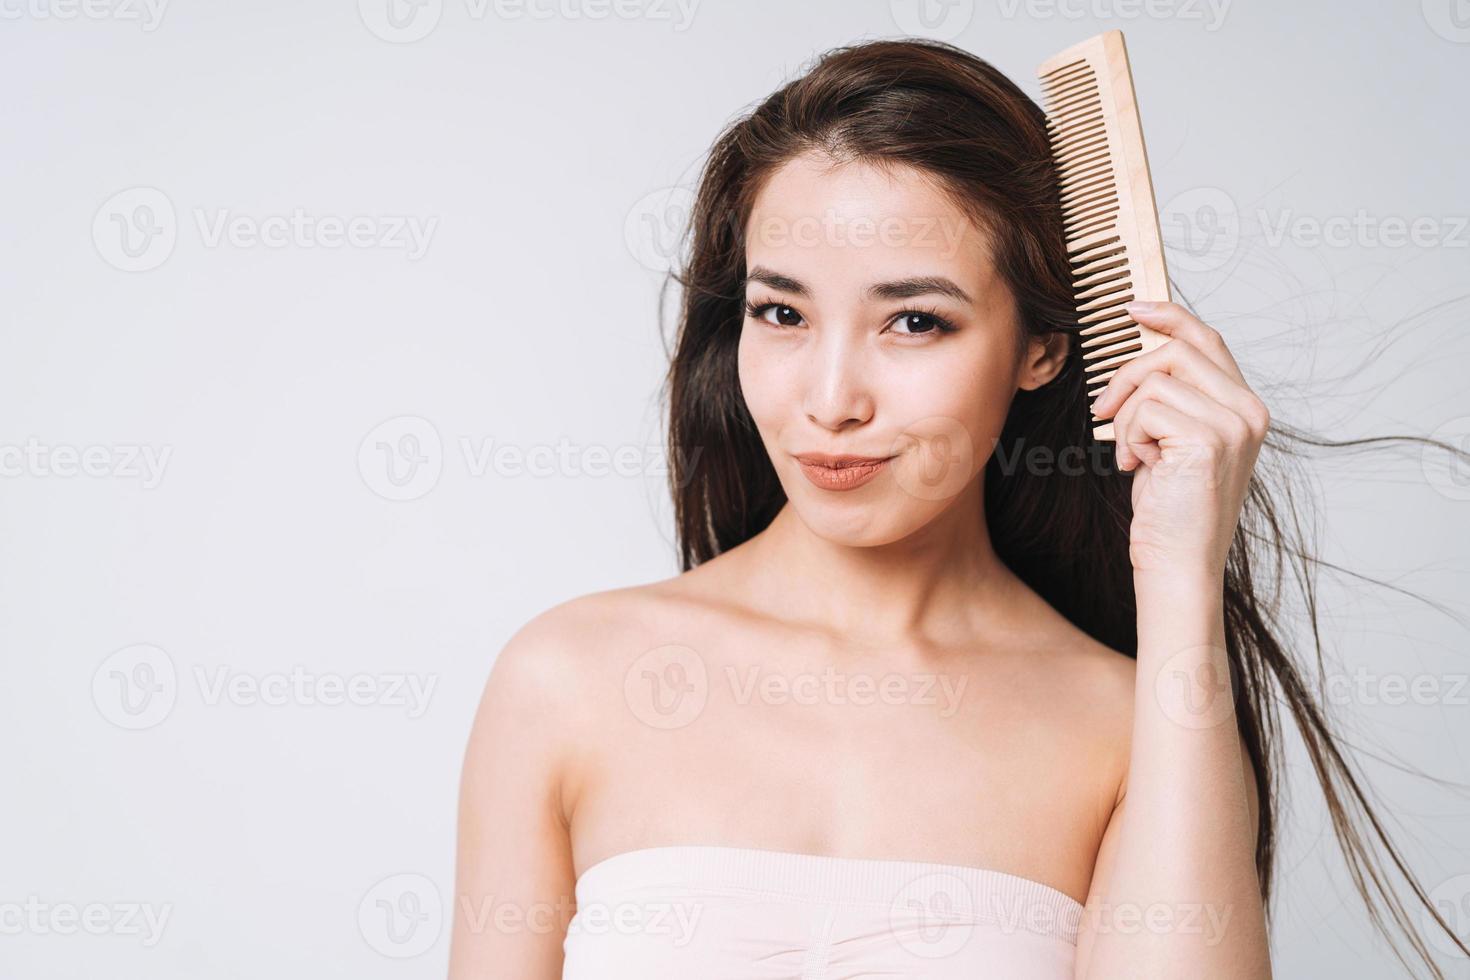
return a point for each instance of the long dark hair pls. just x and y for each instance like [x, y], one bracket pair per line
[942, 110]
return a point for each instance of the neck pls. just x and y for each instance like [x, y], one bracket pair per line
[931, 586]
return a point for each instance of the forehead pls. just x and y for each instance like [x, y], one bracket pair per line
[835, 223]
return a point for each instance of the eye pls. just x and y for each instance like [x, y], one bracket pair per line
[915, 322]
[786, 316]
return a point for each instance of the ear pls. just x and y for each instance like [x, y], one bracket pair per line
[1043, 359]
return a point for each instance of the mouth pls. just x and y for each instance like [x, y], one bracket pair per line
[829, 472]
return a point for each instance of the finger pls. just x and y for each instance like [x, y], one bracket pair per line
[1226, 426]
[1183, 360]
[1175, 321]
[1153, 422]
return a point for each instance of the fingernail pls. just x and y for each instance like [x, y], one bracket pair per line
[1140, 306]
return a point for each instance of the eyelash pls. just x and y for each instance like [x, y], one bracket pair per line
[942, 324]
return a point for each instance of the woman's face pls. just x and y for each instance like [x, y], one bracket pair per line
[880, 350]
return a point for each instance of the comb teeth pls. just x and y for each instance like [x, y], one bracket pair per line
[1107, 200]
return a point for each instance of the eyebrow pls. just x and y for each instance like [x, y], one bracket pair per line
[898, 289]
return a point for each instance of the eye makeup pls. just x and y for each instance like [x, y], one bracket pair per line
[929, 319]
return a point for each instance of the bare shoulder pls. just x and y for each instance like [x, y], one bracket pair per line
[1096, 687]
[562, 693]
[1091, 682]
[581, 633]
[1083, 694]
[568, 660]
[1101, 679]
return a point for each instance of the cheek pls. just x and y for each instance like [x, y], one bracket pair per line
[950, 414]
[972, 387]
[763, 381]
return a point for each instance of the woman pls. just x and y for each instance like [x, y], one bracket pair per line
[946, 689]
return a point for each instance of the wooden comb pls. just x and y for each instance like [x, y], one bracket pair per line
[1108, 210]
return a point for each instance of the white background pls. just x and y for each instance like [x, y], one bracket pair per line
[548, 152]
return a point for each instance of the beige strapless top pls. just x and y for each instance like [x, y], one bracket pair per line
[693, 912]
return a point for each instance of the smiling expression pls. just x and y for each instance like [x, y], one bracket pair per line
[880, 349]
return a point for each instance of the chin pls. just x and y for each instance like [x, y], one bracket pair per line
[844, 530]
[869, 517]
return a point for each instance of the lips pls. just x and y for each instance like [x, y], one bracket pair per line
[829, 472]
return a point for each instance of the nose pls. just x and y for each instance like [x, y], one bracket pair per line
[837, 395]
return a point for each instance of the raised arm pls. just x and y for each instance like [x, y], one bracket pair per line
[514, 878]
[1175, 891]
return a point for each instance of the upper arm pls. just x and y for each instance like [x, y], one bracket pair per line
[514, 879]
[1107, 849]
